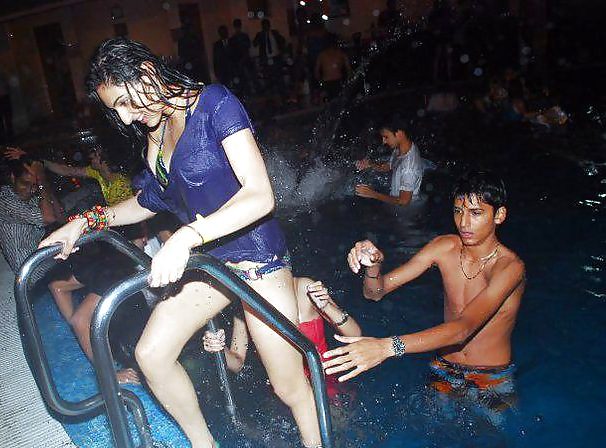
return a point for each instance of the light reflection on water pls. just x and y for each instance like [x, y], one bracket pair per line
[556, 207]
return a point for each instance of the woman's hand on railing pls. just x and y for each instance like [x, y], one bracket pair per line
[169, 263]
[66, 235]
[214, 341]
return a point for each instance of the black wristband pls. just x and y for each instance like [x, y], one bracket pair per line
[344, 318]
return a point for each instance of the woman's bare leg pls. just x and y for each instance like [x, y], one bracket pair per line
[61, 291]
[170, 326]
[81, 320]
[284, 364]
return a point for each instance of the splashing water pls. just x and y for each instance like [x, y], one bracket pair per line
[304, 186]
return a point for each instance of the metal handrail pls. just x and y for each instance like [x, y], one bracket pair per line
[35, 349]
[110, 393]
[202, 262]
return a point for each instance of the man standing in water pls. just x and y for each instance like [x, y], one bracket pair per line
[332, 68]
[483, 285]
[405, 164]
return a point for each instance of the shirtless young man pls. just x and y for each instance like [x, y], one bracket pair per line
[483, 286]
[332, 68]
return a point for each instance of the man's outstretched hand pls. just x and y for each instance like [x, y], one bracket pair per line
[11, 153]
[358, 355]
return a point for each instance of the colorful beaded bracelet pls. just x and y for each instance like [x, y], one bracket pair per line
[96, 219]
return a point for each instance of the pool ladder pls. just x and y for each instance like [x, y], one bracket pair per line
[116, 399]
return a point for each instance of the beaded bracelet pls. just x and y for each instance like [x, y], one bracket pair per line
[96, 219]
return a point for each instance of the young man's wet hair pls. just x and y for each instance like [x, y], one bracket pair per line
[398, 122]
[484, 185]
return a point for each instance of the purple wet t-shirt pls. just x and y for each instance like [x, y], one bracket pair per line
[202, 180]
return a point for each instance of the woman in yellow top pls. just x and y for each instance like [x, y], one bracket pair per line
[115, 186]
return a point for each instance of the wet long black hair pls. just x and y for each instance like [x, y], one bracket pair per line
[120, 61]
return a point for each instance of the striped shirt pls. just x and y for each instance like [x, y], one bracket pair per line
[21, 226]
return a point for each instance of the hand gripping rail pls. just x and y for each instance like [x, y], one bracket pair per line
[110, 393]
[35, 350]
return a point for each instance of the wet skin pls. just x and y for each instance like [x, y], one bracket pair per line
[25, 186]
[135, 103]
[479, 309]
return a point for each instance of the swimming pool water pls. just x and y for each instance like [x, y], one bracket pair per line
[557, 186]
[556, 210]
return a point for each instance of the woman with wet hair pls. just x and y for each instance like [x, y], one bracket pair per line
[204, 166]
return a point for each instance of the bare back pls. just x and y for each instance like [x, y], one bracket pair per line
[332, 65]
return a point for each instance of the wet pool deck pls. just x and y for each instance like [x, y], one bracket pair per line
[24, 419]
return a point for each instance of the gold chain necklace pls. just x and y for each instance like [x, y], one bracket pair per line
[484, 261]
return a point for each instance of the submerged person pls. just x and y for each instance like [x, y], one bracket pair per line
[204, 166]
[314, 306]
[483, 286]
[405, 164]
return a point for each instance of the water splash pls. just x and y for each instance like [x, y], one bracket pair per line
[304, 184]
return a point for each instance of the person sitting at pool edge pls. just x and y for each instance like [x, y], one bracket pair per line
[483, 286]
[405, 164]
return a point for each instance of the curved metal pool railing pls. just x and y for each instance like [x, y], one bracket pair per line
[35, 349]
[267, 312]
[110, 392]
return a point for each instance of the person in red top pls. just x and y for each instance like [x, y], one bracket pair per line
[314, 305]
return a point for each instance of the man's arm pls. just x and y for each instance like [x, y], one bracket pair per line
[402, 199]
[65, 170]
[50, 206]
[235, 355]
[377, 285]
[365, 353]
[376, 166]
[57, 168]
